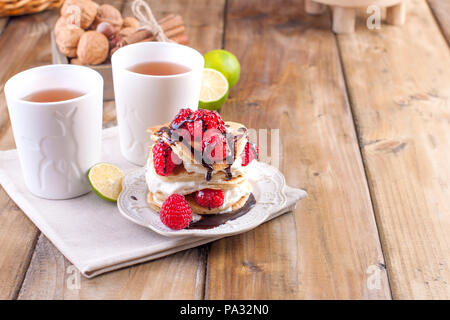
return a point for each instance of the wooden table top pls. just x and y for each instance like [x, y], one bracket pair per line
[365, 128]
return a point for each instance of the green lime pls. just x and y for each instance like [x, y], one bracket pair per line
[225, 62]
[106, 181]
[214, 91]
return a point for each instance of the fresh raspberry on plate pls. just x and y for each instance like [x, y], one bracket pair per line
[209, 198]
[176, 212]
[164, 159]
[250, 153]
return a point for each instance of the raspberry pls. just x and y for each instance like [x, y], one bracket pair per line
[205, 118]
[250, 153]
[209, 198]
[195, 128]
[215, 146]
[163, 159]
[181, 118]
[212, 120]
[176, 212]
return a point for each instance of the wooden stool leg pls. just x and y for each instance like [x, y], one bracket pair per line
[312, 7]
[344, 20]
[396, 14]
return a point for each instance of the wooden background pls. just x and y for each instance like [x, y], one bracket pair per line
[364, 122]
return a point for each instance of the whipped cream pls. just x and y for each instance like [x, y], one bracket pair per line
[231, 196]
[156, 184]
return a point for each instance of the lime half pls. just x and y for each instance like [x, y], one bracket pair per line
[106, 181]
[214, 91]
[225, 62]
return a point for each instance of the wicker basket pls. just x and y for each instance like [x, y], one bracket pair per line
[19, 7]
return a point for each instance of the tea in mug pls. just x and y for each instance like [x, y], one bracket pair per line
[159, 68]
[52, 95]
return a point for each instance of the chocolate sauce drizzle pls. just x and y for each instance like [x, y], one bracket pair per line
[228, 173]
[209, 221]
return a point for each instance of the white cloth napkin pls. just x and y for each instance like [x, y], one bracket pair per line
[90, 232]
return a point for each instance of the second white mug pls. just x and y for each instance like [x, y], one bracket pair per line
[144, 100]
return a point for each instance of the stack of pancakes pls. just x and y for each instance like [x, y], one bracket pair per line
[193, 174]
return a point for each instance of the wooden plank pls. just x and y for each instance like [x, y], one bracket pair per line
[17, 234]
[51, 276]
[180, 276]
[17, 239]
[441, 10]
[398, 79]
[291, 79]
[3, 23]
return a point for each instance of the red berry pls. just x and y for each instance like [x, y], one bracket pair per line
[205, 118]
[176, 212]
[209, 198]
[195, 128]
[212, 120]
[181, 118]
[250, 153]
[215, 146]
[163, 159]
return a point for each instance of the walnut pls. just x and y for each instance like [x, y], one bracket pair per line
[83, 11]
[67, 39]
[62, 21]
[131, 22]
[125, 32]
[107, 13]
[93, 48]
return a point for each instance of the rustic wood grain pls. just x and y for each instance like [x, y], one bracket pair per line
[180, 276]
[3, 23]
[17, 234]
[441, 10]
[398, 79]
[291, 79]
[51, 276]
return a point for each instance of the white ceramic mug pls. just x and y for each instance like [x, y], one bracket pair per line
[143, 100]
[57, 142]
